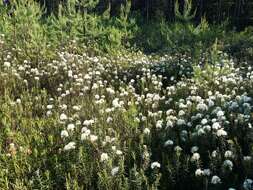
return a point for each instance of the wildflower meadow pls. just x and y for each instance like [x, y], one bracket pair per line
[91, 101]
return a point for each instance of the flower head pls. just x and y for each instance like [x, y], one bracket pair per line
[215, 180]
[70, 146]
[155, 165]
[104, 157]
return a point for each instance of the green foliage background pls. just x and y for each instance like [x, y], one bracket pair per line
[239, 12]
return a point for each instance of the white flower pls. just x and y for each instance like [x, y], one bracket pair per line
[109, 119]
[146, 131]
[84, 136]
[181, 113]
[137, 119]
[228, 154]
[88, 122]
[85, 130]
[201, 132]
[247, 158]
[119, 152]
[178, 148]
[216, 126]
[114, 148]
[49, 107]
[207, 128]
[97, 97]
[64, 107]
[204, 121]
[116, 103]
[214, 154]
[210, 103]
[195, 157]
[221, 132]
[7, 64]
[70, 127]
[108, 139]
[248, 184]
[63, 117]
[202, 107]
[228, 164]
[64, 134]
[76, 108]
[199, 172]
[110, 91]
[70, 146]
[18, 101]
[181, 122]
[49, 113]
[104, 157]
[233, 106]
[155, 165]
[159, 124]
[115, 171]
[169, 123]
[220, 113]
[93, 138]
[78, 122]
[168, 143]
[215, 180]
[206, 172]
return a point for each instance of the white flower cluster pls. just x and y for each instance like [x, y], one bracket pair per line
[112, 111]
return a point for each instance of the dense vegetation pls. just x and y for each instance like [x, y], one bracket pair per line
[239, 12]
[102, 95]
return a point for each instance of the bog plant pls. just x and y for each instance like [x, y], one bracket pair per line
[85, 122]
